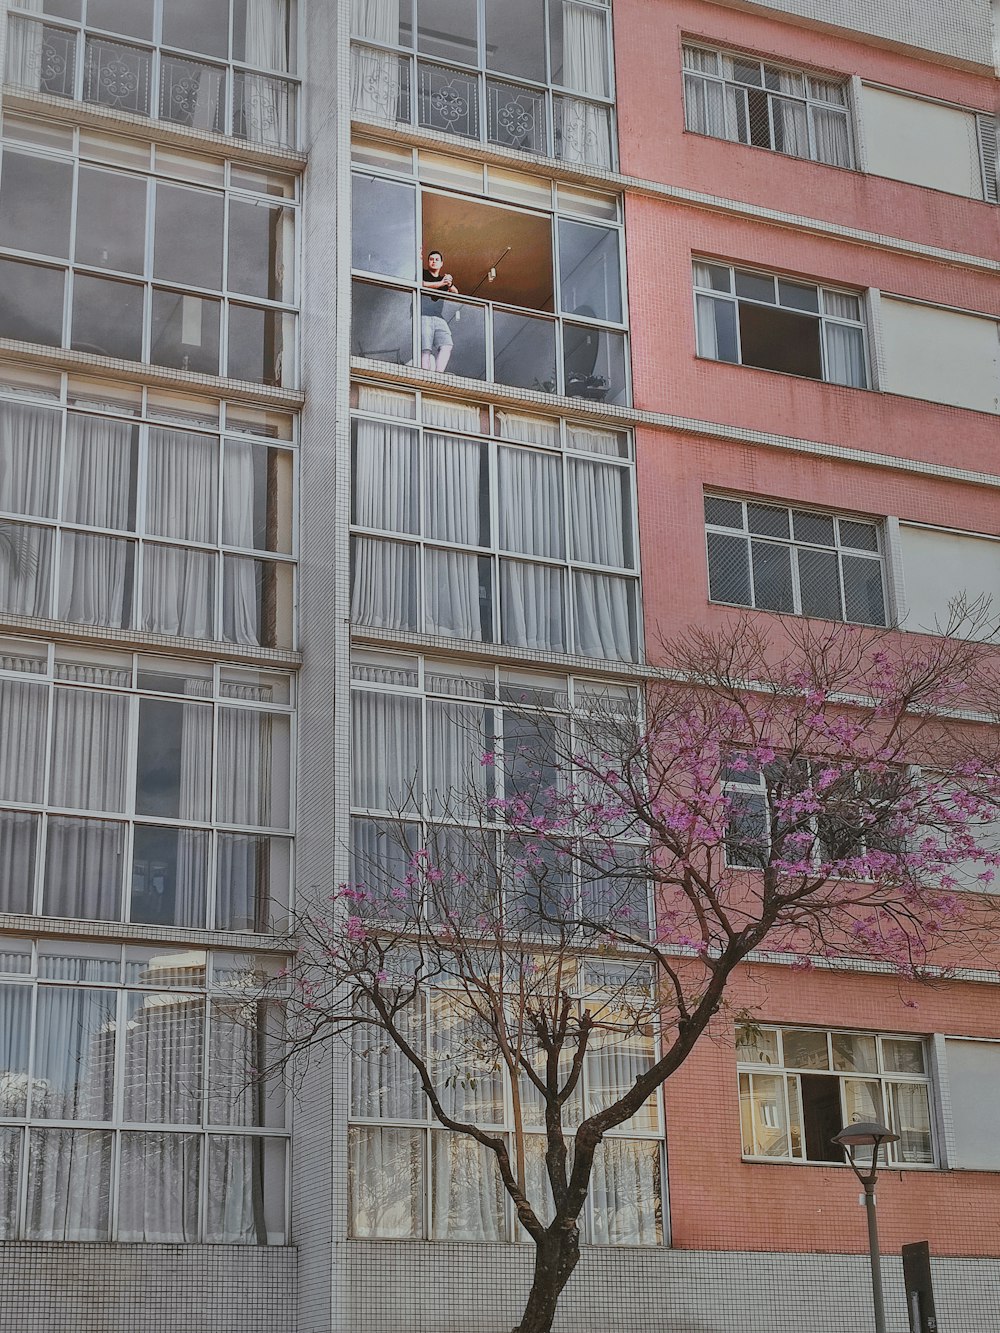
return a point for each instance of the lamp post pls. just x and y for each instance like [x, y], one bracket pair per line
[869, 1134]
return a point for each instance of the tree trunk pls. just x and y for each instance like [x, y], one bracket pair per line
[555, 1258]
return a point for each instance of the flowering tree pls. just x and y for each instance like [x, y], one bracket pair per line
[561, 939]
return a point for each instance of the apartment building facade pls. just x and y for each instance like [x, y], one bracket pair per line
[727, 335]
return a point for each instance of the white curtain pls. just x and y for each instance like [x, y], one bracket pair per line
[181, 502]
[25, 47]
[29, 459]
[530, 501]
[451, 595]
[532, 598]
[386, 1176]
[625, 1193]
[94, 588]
[269, 105]
[385, 751]
[791, 128]
[586, 128]
[466, 1190]
[374, 73]
[383, 584]
[845, 354]
[604, 611]
[386, 477]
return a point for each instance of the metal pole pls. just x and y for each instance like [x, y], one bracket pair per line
[873, 1252]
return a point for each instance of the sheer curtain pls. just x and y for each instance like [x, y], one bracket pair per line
[453, 505]
[268, 101]
[182, 487]
[586, 128]
[466, 1190]
[94, 571]
[375, 74]
[88, 770]
[625, 1193]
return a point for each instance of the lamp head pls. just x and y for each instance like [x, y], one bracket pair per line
[865, 1134]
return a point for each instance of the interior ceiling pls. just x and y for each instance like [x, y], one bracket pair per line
[472, 236]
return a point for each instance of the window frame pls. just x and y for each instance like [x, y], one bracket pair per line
[732, 298]
[164, 169]
[806, 98]
[882, 556]
[886, 1079]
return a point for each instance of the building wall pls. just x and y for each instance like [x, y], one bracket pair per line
[51, 1288]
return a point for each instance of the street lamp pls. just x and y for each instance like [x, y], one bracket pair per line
[869, 1134]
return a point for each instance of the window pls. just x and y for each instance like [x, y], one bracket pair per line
[411, 1180]
[774, 323]
[141, 789]
[800, 1086]
[527, 74]
[541, 296]
[146, 510]
[795, 561]
[420, 732]
[750, 101]
[208, 66]
[175, 1149]
[144, 253]
[526, 539]
[855, 815]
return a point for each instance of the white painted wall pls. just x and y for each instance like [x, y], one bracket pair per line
[941, 355]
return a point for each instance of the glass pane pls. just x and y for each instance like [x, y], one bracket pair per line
[107, 317]
[198, 25]
[257, 497]
[188, 236]
[515, 38]
[626, 1193]
[253, 874]
[31, 302]
[262, 250]
[35, 195]
[385, 1175]
[69, 1185]
[863, 594]
[15, 1036]
[594, 364]
[164, 1056]
[854, 1053]
[246, 1190]
[590, 273]
[903, 1056]
[467, 1201]
[382, 323]
[111, 220]
[804, 1049]
[729, 569]
[73, 1067]
[772, 576]
[260, 345]
[83, 869]
[819, 584]
[384, 227]
[158, 1187]
[174, 765]
[185, 332]
[117, 76]
[254, 768]
[169, 876]
[257, 601]
[192, 94]
[18, 843]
